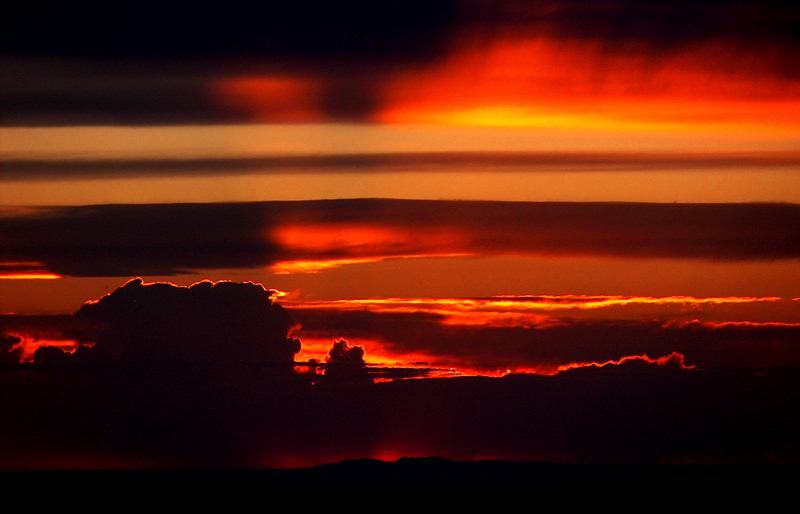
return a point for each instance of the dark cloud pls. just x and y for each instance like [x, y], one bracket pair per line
[430, 162]
[345, 363]
[158, 93]
[131, 240]
[401, 373]
[9, 352]
[205, 323]
[125, 240]
[655, 26]
[157, 417]
[157, 63]
[86, 93]
[50, 356]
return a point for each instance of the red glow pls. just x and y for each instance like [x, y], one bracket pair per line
[733, 324]
[675, 358]
[357, 244]
[25, 270]
[29, 345]
[270, 98]
[523, 80]
[521, 311]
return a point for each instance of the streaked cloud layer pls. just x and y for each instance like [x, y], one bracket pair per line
[172, 239]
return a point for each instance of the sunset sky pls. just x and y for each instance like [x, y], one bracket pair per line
[495, 189]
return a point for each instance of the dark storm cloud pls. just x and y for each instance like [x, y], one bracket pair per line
[120, 240]
[563, 342]
[205, 323]
[14, 169]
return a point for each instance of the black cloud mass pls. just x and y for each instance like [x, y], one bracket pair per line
[187, 377]
[205, 323]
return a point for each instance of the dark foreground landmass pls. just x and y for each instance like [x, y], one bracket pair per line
[435, 473]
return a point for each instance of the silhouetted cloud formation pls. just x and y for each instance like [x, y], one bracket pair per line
[345, 363]
[120, 240]
[50, 356]
[205, 323]
[167, 416]
[185, 376]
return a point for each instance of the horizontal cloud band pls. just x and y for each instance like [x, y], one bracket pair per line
[33, 169]
[119, 240]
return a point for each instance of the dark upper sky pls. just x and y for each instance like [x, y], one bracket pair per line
[151, 62]
[371, 32]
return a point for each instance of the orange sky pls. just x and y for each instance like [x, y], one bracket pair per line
[519, 80]
[511, 90]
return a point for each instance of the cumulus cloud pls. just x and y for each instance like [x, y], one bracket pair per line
[221, 322]
[345, 363]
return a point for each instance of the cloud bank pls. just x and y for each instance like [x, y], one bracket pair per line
[186, 377]
[120, 240]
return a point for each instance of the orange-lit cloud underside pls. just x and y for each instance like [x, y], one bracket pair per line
[535, 315]
[524, 311]
[345, 244]
[521, 80]
[531, 302]
[380, 355]
[28, 345]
